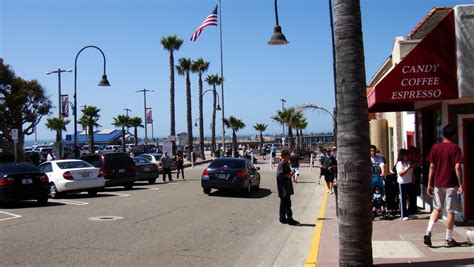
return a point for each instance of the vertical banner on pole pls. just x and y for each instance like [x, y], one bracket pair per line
[149, 116]
[65, 106]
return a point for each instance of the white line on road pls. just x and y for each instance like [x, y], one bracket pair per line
[12, 216]
[172, 183]
[69, 202]
[155, 189]
[117, 194]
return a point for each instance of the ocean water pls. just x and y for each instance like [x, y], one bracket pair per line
[29, 143]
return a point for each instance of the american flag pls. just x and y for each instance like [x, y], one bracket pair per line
[210, 20]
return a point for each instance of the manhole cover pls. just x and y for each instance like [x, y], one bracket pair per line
[105, 218]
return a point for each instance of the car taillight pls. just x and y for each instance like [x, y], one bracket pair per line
[44, 179]
[153, 167]
[205, 173]
[240, 174]
[6, 181]
[68, 176]
[102, 172]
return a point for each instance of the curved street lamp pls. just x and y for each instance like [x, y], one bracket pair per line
[278, 38]
[103, 82]
[218, 108]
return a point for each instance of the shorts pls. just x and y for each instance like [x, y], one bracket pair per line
[448, 196]
[297, 170]
[328, 177]
[273, 154]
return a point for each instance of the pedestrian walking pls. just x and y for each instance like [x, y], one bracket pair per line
[404, 168]
[285, 189]
[321, 165]
[378, 169]
[329, 165]
[273, 151]
[295, 165]
[180, 165]
[166, 163]
[445, 183]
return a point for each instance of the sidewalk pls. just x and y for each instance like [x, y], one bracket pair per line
[396, 242]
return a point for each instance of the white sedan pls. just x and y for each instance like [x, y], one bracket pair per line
[72, 175]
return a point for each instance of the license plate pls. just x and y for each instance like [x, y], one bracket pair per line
[27, 181]
[147, 169]
[85, 175]
[222, 176]
[121, 170]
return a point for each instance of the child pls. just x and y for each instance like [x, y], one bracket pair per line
[377, 201]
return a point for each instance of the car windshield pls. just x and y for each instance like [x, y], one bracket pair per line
[232, 164]
[12, 168]
[73, 164]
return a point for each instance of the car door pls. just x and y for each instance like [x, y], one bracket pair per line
[47, 168]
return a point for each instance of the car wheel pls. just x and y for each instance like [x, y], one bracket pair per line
[42, 201]
[128, 186]
[152, 181]
[206, 190]
[53, 191]
[92, 192]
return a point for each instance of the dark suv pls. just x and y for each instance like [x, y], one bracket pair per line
[118, 169]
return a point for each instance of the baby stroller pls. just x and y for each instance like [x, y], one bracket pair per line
[379, 206]
[392, 194]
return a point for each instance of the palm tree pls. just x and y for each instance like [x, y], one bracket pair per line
[172, 43]
[355, 223]
[58, 125]
[234, 124]
[288, 117]
[89, 119]
[124, 122]
[200, 66]
[214, 80]
[135, 122]
[184, 68]
[261, 127]
[299, 125]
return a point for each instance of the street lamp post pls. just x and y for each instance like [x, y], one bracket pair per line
[127, 110]
[59, 71]
[278, 38]
[144, 111]
[102, 82]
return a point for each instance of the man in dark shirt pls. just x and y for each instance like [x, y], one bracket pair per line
[285, 189]
[446, 175]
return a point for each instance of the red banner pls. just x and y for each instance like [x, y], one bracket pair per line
[149, 116]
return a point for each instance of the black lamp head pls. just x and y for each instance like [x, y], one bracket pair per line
[104, 81]
[218, 108]
[278, 38]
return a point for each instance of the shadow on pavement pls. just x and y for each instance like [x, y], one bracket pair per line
[458, 262]
[261, 193]
[27, 204]
[307, 225]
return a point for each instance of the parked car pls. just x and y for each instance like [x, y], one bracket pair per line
[112, 148]
[231, 173]
[156, 159]
[23, 181]
[72, 175]
[118, 169]
[142, 149]
[146, 170]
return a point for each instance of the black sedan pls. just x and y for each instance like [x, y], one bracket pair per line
[238, 174]
[23, 181]
[146, 170]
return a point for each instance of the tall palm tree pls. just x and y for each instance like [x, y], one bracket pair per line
[172, 43]
[135, 122]
[288, 117]
[300, 124]
[261, 127]
[184, 68]
[214, 80]
[124, 122]
[234, 124]
[89, 119]
[200, 66]
[355, 223]
[58, 125]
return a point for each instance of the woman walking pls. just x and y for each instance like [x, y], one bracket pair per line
[405, 180]
[180, 165]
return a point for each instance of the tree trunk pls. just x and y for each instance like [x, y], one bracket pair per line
[291, 141]
[354, 174]
[201, 120]
[172, 112]
[235, 151]
[213, 130]
[135, 134]
[261, 139]
[301, 139]
[298, 144]
[189, 117]
[60, 144]
[123, 139]
[91, 138]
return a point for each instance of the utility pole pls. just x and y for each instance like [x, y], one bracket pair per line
[144, 110]
[127, 110]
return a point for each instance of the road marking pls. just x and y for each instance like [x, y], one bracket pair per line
[155, 189]
[117, 194]
[172, 183]
[12, 216]
[312, 259]
[69, 202]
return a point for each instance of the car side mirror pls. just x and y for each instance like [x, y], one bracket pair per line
[258, 168]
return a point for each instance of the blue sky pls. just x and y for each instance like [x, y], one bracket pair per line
[37, 36]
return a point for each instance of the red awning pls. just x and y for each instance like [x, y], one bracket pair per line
[428, 72]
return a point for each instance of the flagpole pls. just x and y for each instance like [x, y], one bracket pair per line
[222, 76]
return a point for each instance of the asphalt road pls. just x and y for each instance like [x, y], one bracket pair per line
[172, 224]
